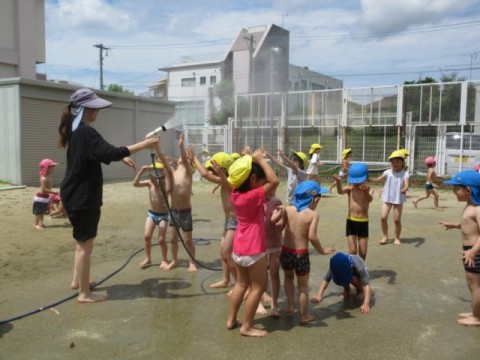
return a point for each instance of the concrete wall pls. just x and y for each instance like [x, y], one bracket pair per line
[30, 112]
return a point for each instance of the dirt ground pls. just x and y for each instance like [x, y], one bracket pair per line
[418, 289]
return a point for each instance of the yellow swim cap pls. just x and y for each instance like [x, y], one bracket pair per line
[314, 147]
[346, 152]
[158, 165]
[223, 160]
[302, 156]
[235, 156]
[397, 154]
[239, 171]
[405, 152]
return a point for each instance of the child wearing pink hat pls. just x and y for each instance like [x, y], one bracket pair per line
[430, 184]
[42, 197]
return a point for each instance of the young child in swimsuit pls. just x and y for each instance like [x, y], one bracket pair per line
[466, 186]
[345, 270]
[215, 170]
[253, 181]
[273, 238]
[430, 184]
[158, 213]
[300, 224]
[393, 194]
[359, 198]
[43, 196]
[295, 168]
[345, 166]
[314, 163]
[181, 206]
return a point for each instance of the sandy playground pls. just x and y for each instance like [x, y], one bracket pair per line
[418, 289]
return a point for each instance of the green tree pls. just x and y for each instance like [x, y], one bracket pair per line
[119, 89]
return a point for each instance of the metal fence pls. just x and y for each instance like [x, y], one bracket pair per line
[372, 121]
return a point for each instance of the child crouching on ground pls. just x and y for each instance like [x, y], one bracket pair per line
[253, 181]
[345, 270]
[300, 223]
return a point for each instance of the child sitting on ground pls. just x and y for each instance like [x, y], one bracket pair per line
[345, 270]
[42, 197]
[300, 224]
[466, 186]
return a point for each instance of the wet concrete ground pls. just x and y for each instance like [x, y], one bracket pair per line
[419, 288]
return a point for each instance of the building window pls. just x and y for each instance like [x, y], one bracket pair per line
[213, 79]
[192, 112]
[304, 84]
[203, 80]
[188, 82]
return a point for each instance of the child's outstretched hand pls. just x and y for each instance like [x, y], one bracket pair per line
[328, 250]
[365, 308]
[449, 226]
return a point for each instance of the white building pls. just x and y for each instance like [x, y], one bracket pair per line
[256, 62]
[22, 39]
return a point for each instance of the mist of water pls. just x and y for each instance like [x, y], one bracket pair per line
[173, 122]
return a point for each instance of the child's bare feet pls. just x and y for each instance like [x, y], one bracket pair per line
[75, 286]
[172, 265]
[414, 203]
[465, 315]
[192, 267]
[307, 319]
[290, 310]
[438, 209]
[383, 241]
[469, 321]
[345, 295]
[261, 309]
[266, 299]
[220, 284]
[39, 227]
[232, 324]
[91, 298]
[145, 263]
[397, 242]
[252, 332]
[274, 312]
[229, 293]
[163, 265]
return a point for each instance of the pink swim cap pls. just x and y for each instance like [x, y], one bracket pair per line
[430, 161]
[477, 167]
[44, 165]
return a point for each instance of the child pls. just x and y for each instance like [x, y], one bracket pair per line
[430, 184]
[216, 171]
[466, 186]
[393, 194]
[345, 270]
[158, 213]
[42, 197]
[314, 163]
[300, 223]
[181, 207]
[346, 154]
[359, 198]
[273, 238]
[295, 167]
[253, 180]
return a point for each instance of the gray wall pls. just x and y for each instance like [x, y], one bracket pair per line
[30, 114]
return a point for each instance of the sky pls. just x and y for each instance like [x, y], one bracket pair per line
[362, 42]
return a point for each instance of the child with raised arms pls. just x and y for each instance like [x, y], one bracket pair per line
[359, 198]
[253, 181]
[215, 170]
[157, 215]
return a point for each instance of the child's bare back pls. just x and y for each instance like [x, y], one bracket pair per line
[298, 227]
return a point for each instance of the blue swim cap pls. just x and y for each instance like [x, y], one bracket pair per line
[468, 178]
[358, 173]
[341, 268]
[305, 192]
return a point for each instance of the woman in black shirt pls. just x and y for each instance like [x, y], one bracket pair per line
[81, 189]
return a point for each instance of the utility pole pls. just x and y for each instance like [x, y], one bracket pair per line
[101, 48]
[250, 42]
